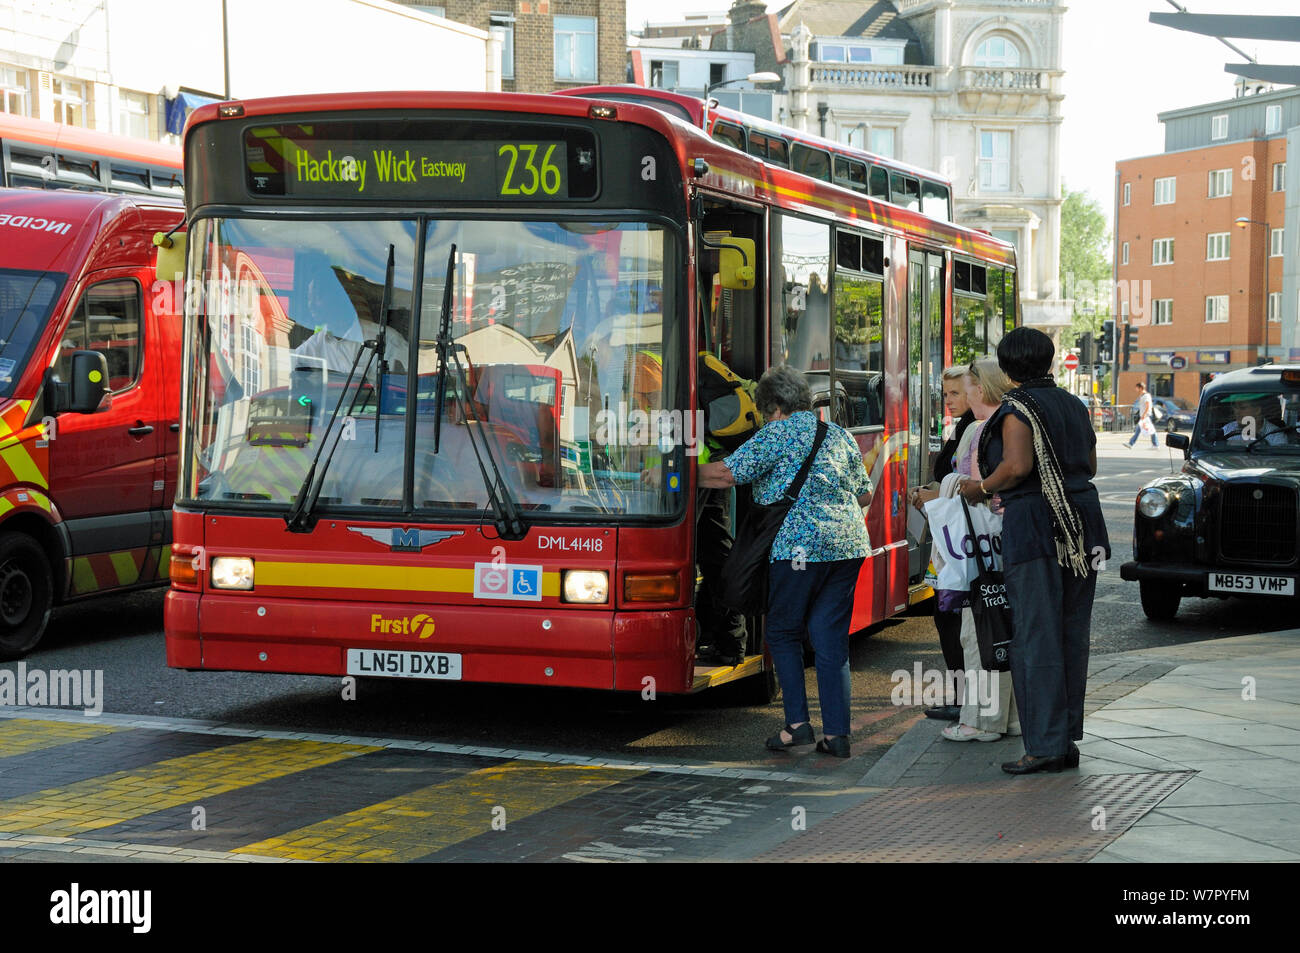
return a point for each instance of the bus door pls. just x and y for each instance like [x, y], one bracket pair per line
[925, 349]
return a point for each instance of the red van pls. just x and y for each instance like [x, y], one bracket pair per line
[89, 390]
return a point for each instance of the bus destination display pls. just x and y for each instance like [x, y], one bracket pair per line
[515, 169]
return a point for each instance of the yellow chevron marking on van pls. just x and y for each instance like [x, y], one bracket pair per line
[413, 825]
[370, 576]
[125, 567]
[115, 798]
[21, 735]
[23, 466]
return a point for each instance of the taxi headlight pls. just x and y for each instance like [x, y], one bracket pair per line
[232, 572]
[585, 585]
[1152, 502]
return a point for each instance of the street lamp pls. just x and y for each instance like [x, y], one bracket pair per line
[1268, 238]
[763, 77]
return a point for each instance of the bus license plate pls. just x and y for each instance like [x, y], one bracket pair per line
[390, 663]
[1251, 584]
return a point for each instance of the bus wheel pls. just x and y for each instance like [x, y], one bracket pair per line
[26, 593]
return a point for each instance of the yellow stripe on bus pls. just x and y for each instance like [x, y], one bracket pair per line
[21, 735]
[370, 576]
[409, 827]
[119, 797]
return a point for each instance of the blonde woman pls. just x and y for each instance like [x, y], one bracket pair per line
[984, 390]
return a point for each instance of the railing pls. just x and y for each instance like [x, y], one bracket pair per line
[905, 5]
[871, 77]
[1008, 79]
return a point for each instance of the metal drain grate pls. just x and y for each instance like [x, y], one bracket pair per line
[1020, 819]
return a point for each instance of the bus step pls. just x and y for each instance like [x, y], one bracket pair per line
[711, 676]
[919, 593]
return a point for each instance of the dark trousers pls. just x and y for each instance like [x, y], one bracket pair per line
[724, 627]
[1051, 610]
[949, 626]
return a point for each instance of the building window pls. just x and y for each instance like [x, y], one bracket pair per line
[857, 53]
[1219, 246]
[1123, 254]
[1220, 183]
[1275, 239]
[1273, 120]
[13, 91]
[575, 48]
[1219, 126]
[1275, 306]
[503, 25]
[133, 114]
[663, 74]
[1216, 309]
[1162, 251]
[1166, 191]
[1128, 192]
[997, 52]
[1279, 176]
[995, 162]
[882, 142]
[717, 73]
[69, 102]
[1162, 311]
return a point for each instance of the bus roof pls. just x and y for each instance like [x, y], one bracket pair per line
[729, 170]
[58, 136]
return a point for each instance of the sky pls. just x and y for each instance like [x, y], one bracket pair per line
[1120, 71]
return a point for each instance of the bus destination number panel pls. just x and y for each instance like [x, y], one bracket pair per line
[460, 161]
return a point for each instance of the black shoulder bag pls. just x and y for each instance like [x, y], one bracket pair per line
[992, 611]
[744, 575]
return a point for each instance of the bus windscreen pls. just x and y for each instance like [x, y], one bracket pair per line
[424, 160]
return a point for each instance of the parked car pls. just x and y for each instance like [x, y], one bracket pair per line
[1097, 407]
[1174, 414]
[1226, 525]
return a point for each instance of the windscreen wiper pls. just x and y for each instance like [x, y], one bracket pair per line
[510, 524]
[381, 341]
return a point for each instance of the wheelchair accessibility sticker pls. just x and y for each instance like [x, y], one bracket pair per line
[508, 581]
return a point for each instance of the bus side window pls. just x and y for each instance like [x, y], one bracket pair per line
[800, 299]
[851, 174]
[859, 310]
[934, 200]
[778, 151]
[813, 163]
[906, 191]
[733, 136]
[757, 144]
[879, 183]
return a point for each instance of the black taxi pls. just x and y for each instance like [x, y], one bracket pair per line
[1226, 525]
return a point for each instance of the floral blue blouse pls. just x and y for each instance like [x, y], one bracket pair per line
[825, 524]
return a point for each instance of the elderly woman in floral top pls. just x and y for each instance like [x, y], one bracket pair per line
[815, 557]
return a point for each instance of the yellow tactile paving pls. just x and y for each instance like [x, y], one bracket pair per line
[114, 798]
[413, 825]
[21, 735]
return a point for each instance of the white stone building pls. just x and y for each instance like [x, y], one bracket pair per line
[111, 65]
[971, 88]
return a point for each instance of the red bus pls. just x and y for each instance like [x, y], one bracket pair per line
[48, 155]
[475, 318]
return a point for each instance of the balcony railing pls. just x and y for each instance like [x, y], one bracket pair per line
[874, 77]
[1008, 79]
[905, 5]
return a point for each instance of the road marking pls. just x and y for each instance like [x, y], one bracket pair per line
[417, 824]
[21, 735]
[74, 849]
[118, 797]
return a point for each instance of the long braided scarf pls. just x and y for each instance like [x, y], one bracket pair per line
[1067, 524]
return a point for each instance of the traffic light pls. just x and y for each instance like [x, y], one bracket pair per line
[1107, 350]
[1099, 349]
[1130, 343]
[1086, 356]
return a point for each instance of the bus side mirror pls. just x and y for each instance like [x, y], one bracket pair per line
[89, 384]
[736, 263]
[170, 265]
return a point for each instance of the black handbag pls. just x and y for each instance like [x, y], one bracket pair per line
[991, 609]
[744, 575]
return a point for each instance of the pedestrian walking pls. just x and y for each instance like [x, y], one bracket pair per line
[1144, 421]
[817, 553]
[1038, 453]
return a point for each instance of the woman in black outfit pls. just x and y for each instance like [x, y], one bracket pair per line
[1040, 455]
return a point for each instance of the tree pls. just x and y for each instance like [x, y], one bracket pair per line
[1085, 260]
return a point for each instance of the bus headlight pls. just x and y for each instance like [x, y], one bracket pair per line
[1152, 502]
[585, 585]
[232, 572]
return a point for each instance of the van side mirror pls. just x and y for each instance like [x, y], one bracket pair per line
[89, 384]
[1179, 441]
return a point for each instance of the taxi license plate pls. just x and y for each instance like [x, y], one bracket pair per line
[391, 663]
[1251, 584]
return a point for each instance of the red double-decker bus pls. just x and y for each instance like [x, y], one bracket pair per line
[438, 411]
[48, 155]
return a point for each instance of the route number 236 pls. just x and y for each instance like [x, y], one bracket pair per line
[530, 176]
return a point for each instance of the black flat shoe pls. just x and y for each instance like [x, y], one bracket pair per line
[944, 712]
[838, 746]
[1072, 756]
[1030, 765]
[803, 735]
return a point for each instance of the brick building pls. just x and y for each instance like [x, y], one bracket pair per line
[548, 44]
[1189, 277]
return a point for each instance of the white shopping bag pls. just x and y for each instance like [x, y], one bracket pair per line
[954, 548]
[1146, 426]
